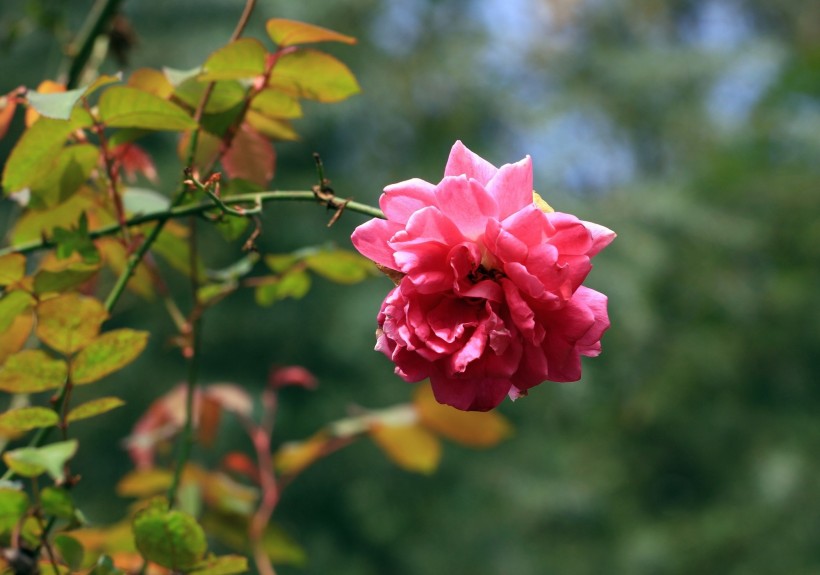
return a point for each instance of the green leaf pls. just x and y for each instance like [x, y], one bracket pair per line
[340, 266]
[11, 305]
[105, 566]
[28, 418]
[294, 284]
[169, 538]
[276, 104]
[279, 263]
[69, 322]
[126, 107]
[314, 75]
[243, 58]
[57, 501]
[12, 268]
[32, 370]
[56, 105]
[94, 407]
[224, 96]
[225, 565]
[68, 171]
[33, 461]
[34, 152]
[151, 80]
[47, 281]
[177, 77]
[111, 351]
[277, 544]
[77, 240]
[236, 270]
[289, 32]
[70, 549]
[13, 505]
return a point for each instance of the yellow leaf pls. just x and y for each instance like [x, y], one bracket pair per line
[69, 322]
[472, 428]
[151, 81]
[293, 457]
[94, 407]
[115, 257]
[411, 447]
[144, 483]
[540, 203]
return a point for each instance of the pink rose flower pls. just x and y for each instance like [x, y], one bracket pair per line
[490, 302]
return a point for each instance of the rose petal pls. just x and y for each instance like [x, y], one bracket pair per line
[464, 162]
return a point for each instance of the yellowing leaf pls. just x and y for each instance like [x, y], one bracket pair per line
[172, 538]
[94, 407]
[276, 104]
[69, 322]
[243, 58]
[270, 127]
[127, 107]
[411, 447]
[152, 81]
[12, 268]
[111, 351]
[340, 266]
[12, 305]
[7, 108]
[32, 370]
[289, 32]
[250, 157]
[28, 418]
[472, 428]
[314, 75]
[293, 457]
[144, 483]
[13, 338]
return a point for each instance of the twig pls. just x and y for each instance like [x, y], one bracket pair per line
[177, 211]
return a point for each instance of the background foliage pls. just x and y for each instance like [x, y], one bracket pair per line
[689, 127]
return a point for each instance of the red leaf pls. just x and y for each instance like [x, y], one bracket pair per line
[134, 160]
[9, 105]
[250, 157]
[292, 375]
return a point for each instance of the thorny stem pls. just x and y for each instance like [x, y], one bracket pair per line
[261, 438]
[178, 211]
[112, 177]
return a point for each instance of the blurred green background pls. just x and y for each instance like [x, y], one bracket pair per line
[691, 128]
